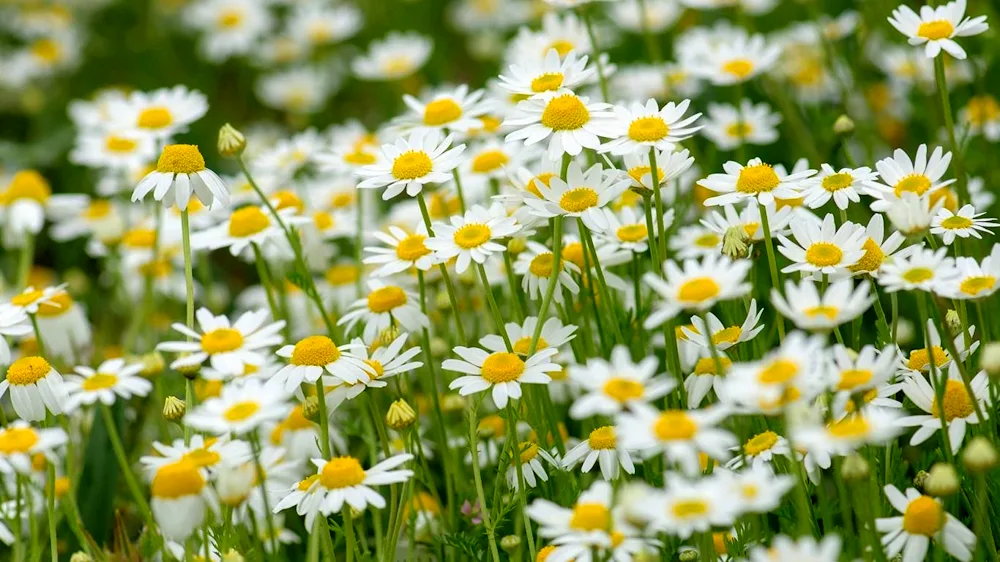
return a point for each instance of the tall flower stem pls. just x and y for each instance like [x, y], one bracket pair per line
[949, 125]
[189, 310]
[27, 258]
[602, 284]
[39, 342]
[512, 281]
[452, 295]
[261, 480]
[497, 317]
[552, 283]
[458, 188]
[596, 50]
[349, 532]
[519, 467]
[477, 477]
[654, 173]
[771, 262]
[265, 281]
[652, 47]
[359, 250]
[130, 481]
[656, 265]
[939, 384]
[324, 420]
[51, 497]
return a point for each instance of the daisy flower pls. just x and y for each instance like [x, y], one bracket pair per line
[312, 357]
[722, 336]
[757, 489]
[239, 409]
[530, 466]
[840, 185]
[704, 372]
[208, 454]
[919, 360]
[923, 519]
[299, 90]
[922, 269]
[788, 375]
[728, 126]
[247, 227]
[822, 248]
[551, 73]
[786, 549]
[118, 150]
[695, 286]
[161, 113]
[571, 123]
[878, 249]
[670, 166]
[759, 451]
[26, 201]
[22, 442]
[600, 448]
[911, 214]
[841, 302]
[749, 220]
[180, 172]
[536, 264]
[958, 410]
[687, 507]
[963, 224]
[324, 25]
[936, 27]
[589, 518]
[383, 362]
[583, 194]
[679, 434]
[626, 231]
[397, 56]
[861, 371]
[228, 27]
[553, 335]
[386, 305]
[228, 348]
[13, 322]
[619, 384]
[455, 110]
[734, 59]
[411, 162]
[341, 482]
[973, 281]
[872, 426]
[34, 388]
[639, 128]
[982, 115]
[111, 380]
[756, 181]
[899, 174]
[472, 237]
[502, 371]
[179, 499]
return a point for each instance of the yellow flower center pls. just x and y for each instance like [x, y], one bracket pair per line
[689, 509]
[924, 516]
[241, 411]
[342, 274]
[740, 68]
[411, 165]
[24, 299]
[698, 289]
[573, 253]
[489, 160]
[779, 371]
[977, 284]
[934, 30]
[631, 232]
[360, 158]
[739, 130]
[27, 370]
[727, 335]
[867, 397]
[317, 351]
[957, 402]
[472, 235]
[140, 238]
[154, 118]
[578, 200]
[674, 425]
[180, 159]
[760, 443]
[47, 50]
[707, 240]
[829, 311]
[852, 427]
[547, 82]
[603, 438]
[288, 200]
[323, 220]
[919, 360]
[100, 381]
[562, 46]
[221, 340]
[120, 145]
[638, 172]
[708, 366]
[565, 113]
[230, 19]
[719, 542]
[590, 516]
[177, 480]
[853, 378]
[341, 472]
[307, 482]
[412, 248]
[824, 254]
[873, 258]
[377, 369]
[751, 228]
[97, 209]
[982, 110]
[648, 129]
[529, 451]
[836, 182]
[386, 299]
[622, 390]
[27, 184]
[541, 265]
[502, 367]
[56, 306]
[913, 183]
[918, 275]
[17, 440]
[247, 221]
[756, 179]
[442, 111]
[203, 457]
[522, 345]
[956, 222]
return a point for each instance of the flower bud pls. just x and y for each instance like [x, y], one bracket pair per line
[310, 409]
[517, 245]
[510, 544]
[735, 243]
[843, 126]
[387, 336]
[152, 364]
[941, 481]
[855, 468]
[904, 331]
[173, 409]
[920, 480]
[400, 415]
[688, 556]
[231, 141]
[81, 557]
[190, 372]
[980, 455]
[990, 359]
[439, 347]
[233, 556]
[953, 322]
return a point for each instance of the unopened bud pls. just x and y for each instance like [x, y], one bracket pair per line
[81, 557]
[231, 141]
[989, 360]
[510, 544]
[953, 322]
[442, 302]
[387, 336]
[843, 126]
[233, 556]
[400, 415]
[517, 245]
[855, 468]
[735, 243]
[920, 480]
[980, 455]
[173, 409]
[439, 347]
[688, 556]
[152, 364]
[310, 409]
[941, 481]
[190, 372]
[904, 331]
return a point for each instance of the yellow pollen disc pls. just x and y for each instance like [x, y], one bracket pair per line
[924, 516]
[873, 258]
[27, 184]
[489, 160]
[836, 182]
[573, 253]
[221, 340]
[502, 367]
[956, 222]
[852, 427]
[603, 438]
[120, 145]
[522, 345]
[934, 30]
[957, 403]
[760, 443]
[824, 254]
[631, 232]
[975, 285]
[491, 425]
[949, 197]
[323, 220]
[288, 200]
[544, 178]
[590, 517]
[727, 335]
[756, 179]
[565, 113]
[648, 129]
[751, 228]
[919, 360]
[317, 351]
[546, 82]
[296, 420]
[562, 46]
[342, 274]
[913, 183]
[529, 451]
[637, 173]
[853, 378]
[788, 395]
[982, 109]
[342, 200]
[442, 111]
[578, 200]
[490, 124]
[97, 209]
[622, 390]
[740, 68]
[180, 159]
[205, 389]
[341, 472]
[689, 509]
[17, 440]
[27, 370]
[230, 19]
[412, 248]
[202, 458]
[918, 275]
[47, 50]
[739, 130]
[154, 118]
[697, 290]
[779, 371]
[411, 165]
[472, 235]
[140, 238]
[867, 397]
[307, 483]
[541, 265]
[707, 240]
[100, 381]
[247, 221]
[829, 311]
[241, 411]
[674, 425]
[719, 542]
[386, 299]
[376, 367]
[397, 66]
[360, 158]
[177, 480]
[24, 299]
[56, 306]
[707, 366]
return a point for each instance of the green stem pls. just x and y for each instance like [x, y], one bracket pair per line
[265, 281]
[38, 335]
[51, 486]
[452, 296]
[261, 480]
[602, 284]
[553, 282]
[515, 293]
[324, 421]
[519, 467]
[458, 188]
[772, 263]
[939, 384]
[480, 494]
[949, 125]
[596, 50]
[130, 481]
[497, 317]
[349, 532]
[27, 258]
[654, 172]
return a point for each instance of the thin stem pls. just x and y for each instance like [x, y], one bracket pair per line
[515, 294]
[596, 50]
[261, 480]
[51, 496]
[497, 317]
[939, 384]
[552, 282]
[452, 296]
[949, 125]
[519, 467]
[265, 280]
[130, 481]
[458, 188]
[349, 532]
[772, 263]
[654, 173]
[27, 258]
[656, 265]
[39, 342]
[480, 494]
[324, 421]
[602, 284]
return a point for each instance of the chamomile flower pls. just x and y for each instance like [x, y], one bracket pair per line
[872, 426]
[118, 150]
[758, 488]
[957, 407]
[299, 90]
[532, 77]
[397, 56]
[22, 442]
[707, 373]
[35, 387]
[13, 322]
[25, 203]
[923, 519]
[686, 507]
[531, 468]
[320, 24]
[922, 269]
[696, 241]
[695, 286]
[749, 220]
[759, 451]
[112, 380]
[722, 336]
[207, 454]
[861, 371]
[842, 186]
[626, 231]
[341, 482]
[841, 302]
[229, 27]
[536, 266]
[411, 162]
[161, 113]
[911, 214]
[823, 248]
[936, 27]
[785, 549]
[228, 348]
[734, 59]
[502, 371]
[554, 334]
[670, 165]
[583, 194]
[641, 127]
[728, 126]
[962, 224]
[181, 172]
[180, 498]
[404, 251]
[756, 181]
[455, 110]
[246, 227]
[386, 305]
[382, 363]
[588, 518]
[878, 249]
[314, 356]
[239, 409]
[600, 448]
[679, 434]
[982, 115]
[899, 174]
[788, 375]
[569, 122]
[472, 237]
[620, 384]
[973, 281]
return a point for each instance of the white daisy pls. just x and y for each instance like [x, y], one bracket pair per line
[13, 322]
[386, 305]
[341, 482]
[958, 410]
[937, 26]
[785, 549]
[471, 237]
[35, 386]
[239, 409]
[455, 110]
[823, 248]
[878, 249]
[397, 56]
[22, 443]
[531, 468]
[228, 348]
[179, 498]
[502, 371]
[613, 386]
[695, 286]
[923, 519]
[161, 113]
[899, 174]
[572, 122]
[679, 434]
[583, 194]
[756, 181]
[842, 186]
[728, 126]
[601, 448]
[411, 162]
[963, 224]
[639, 127]
[111, 380]
[872, 426]
[536, 76]
[922, 269]
[180, 172]
[554, 334]
[840, 302]
[973, 281]
[312, 357]
[536, 266]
